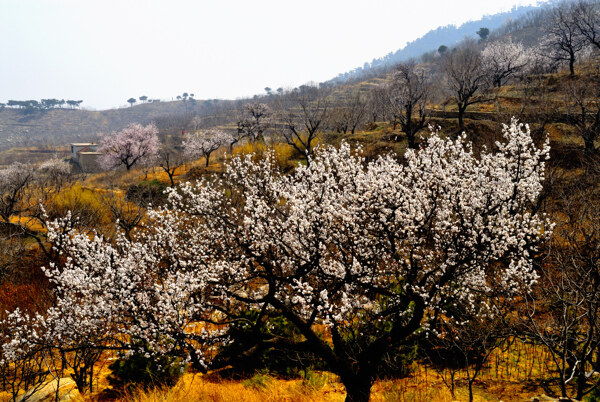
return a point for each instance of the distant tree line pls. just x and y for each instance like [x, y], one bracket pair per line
[44, 104]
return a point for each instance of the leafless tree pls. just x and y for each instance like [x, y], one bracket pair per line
[349, 116]
[256, 119]
[563, 40]
[564, 313]
[587, 21]
[378, 103]
[128, 215]
[465, 77]
[583, 110]
[465, 342]
[304, 114]
[170, 160]
[408, 95]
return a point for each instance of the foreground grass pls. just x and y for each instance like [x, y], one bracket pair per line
[514, 373]
[422, 387]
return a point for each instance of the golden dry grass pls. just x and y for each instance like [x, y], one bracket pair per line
[513, 374]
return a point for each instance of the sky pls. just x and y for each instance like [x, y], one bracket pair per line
[104, 52]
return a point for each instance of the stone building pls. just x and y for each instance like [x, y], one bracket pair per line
[85, 156]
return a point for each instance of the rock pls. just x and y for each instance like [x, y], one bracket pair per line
[544, 398]
[46, 392]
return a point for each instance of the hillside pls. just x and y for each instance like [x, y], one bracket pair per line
[449, 36]
[385, 238]
[19, 128]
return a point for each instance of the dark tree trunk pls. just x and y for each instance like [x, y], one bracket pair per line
[357, 389]
[581, 383]
[412, 144]
[461, 115]
[470, 391]
[572, 66]
[589, 143]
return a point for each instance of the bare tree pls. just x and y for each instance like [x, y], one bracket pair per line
[466, 76]
[563, 40]
[170, 160]
[408, 95]
[587, 21]
[466, 346]
[583, 110]
[128, 215]
[350, 116]
[256, 119]
[304, 114]
[564, 313]
[378, 103]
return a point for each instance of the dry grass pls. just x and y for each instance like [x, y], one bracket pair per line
[423, 386]
[513, 374]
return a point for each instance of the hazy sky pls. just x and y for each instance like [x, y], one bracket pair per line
[105, 52]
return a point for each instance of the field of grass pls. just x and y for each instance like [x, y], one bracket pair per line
[514, 374]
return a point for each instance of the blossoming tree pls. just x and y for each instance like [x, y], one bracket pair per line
[204, 143]
[129, 146]
[503, 59]
[340, 243]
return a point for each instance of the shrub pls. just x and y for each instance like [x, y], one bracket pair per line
[258, 381]
[275, 360]
[140, 369]
[84, 204]
[147, 192]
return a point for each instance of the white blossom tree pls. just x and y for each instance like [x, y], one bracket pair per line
[129, 146]
[14, 182]
[503, 59]
[339, 242]
[23, 188]
[203, 143]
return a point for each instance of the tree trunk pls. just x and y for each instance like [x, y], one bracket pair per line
[572, 66]
[461, 115]
[589, 143]
[207, 158]
[411, 140]
[357, 390]
[563, 385]
[581, 383]
[470, 391]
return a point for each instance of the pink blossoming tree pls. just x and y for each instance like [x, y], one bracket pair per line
[129, 146]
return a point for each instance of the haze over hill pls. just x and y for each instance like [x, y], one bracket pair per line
[60, 126]
[221, 50]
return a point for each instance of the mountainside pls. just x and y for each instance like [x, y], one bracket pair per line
[22, 128]
[449, 36]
